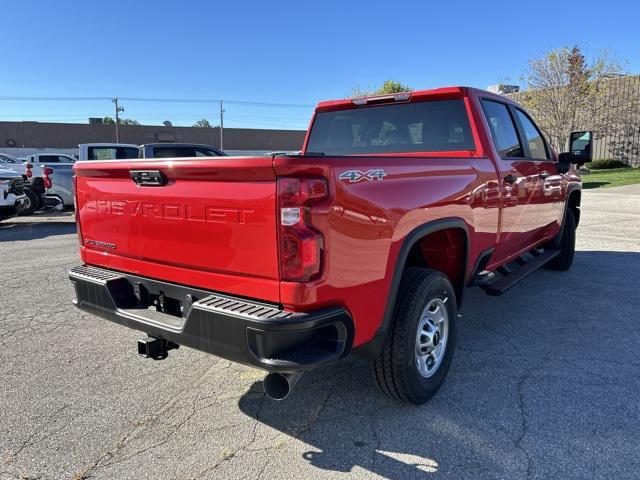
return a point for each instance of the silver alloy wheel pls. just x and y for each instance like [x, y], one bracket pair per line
[26, 204]
[431, 337]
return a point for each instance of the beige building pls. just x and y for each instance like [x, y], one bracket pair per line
[619, 135]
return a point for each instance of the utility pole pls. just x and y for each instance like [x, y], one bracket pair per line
[118, 110]
[221, 126]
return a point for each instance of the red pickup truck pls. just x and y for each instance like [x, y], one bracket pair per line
[364, 243]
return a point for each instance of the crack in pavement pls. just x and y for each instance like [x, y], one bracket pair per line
[230, 454]
[103, 460]
[524, 425]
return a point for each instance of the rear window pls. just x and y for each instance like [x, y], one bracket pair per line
[182, 152]
[112, 153]
[434, 126]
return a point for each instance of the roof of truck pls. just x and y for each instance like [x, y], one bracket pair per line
[416, 95]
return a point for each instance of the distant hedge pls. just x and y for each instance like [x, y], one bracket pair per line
[606, 164]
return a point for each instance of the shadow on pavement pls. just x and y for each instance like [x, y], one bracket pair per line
[338, 423]
[513, 399]
[17, 231]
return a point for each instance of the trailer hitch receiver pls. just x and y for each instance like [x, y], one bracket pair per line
[155, 348]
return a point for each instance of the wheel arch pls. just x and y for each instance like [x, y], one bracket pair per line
[574, 197]
[410, 241]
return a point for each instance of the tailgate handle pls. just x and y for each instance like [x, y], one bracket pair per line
[149, 178]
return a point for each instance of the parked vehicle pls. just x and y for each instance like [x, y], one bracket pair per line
[107, 151]
[34, 190]
[51, 176]
[12, 194]
[364, 243]
[61, 165]
[9, 162]
[178, 150]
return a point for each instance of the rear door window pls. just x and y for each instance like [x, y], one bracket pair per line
[503, 130]
[60, 159]
[433, 126]
[206, 152]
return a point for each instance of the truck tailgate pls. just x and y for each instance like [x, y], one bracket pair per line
[212, 221]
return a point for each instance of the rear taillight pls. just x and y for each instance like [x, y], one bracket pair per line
[75, 204]
[300, 244]
[29, 166]
[46, 171]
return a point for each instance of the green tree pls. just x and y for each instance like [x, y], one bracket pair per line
[567, 92]
[121, 121]
[204, 123]
[388, 87]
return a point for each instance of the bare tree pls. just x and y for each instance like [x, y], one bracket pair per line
[566, 92]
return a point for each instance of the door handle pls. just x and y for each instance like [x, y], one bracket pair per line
[544, 175]
[510, 179]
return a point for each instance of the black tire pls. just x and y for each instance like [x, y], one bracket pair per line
[31, 205]
[395, 370]
[39, 200]
[566, 244]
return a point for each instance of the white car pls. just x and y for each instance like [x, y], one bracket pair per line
[12, 195]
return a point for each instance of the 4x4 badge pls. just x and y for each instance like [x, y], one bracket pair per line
[357, 175]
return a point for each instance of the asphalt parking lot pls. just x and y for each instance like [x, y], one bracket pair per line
[545, 382]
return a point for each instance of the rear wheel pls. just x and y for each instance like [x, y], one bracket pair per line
[566, 243]
[419, 348]
[30, 204]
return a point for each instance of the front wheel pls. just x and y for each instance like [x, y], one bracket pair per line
[419, 348]
[30, 204]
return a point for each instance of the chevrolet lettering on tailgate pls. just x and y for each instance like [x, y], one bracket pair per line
[175, 211]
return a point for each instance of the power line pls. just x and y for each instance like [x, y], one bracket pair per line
[157, 100]
[12, 97]
[210, 100]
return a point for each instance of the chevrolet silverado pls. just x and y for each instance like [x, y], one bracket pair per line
[364, 243]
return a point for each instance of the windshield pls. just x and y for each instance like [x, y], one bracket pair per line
[433, 126]
[6, 158]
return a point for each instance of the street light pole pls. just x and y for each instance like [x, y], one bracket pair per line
[118, 110]
[221, 126]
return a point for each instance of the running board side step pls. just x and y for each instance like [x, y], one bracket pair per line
[513, 276]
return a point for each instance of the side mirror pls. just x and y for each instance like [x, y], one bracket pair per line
[580, 149]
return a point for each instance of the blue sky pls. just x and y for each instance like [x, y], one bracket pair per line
[278, 52]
